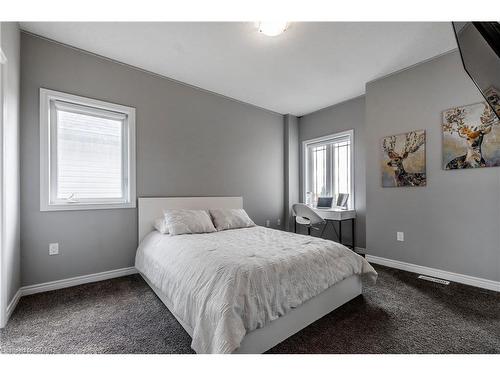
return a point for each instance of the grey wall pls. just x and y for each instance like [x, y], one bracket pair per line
[344, 116]
[189, 143]
[292, 160]
[10, 42]
[453, 223]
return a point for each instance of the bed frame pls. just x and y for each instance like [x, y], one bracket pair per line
[262, 339]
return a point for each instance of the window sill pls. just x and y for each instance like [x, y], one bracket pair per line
[85, 206]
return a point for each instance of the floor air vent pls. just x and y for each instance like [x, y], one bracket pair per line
[434, 280]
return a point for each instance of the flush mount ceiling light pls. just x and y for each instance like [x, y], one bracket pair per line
[272, 28]
[3, 59]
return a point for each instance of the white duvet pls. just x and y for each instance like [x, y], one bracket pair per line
[228, 283]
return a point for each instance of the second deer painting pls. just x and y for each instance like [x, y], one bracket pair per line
[403, 161]
[471, 137]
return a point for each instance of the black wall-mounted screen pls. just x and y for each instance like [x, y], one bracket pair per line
[479, 45]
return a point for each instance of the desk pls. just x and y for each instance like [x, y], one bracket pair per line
[339, 215]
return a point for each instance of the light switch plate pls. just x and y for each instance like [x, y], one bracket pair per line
[400, 236]
[54, 249]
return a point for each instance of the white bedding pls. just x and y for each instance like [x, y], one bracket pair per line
[228, 283]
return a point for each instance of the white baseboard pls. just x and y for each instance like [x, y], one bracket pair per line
[65, 283]
[11, 307]
[78, 280]
[434, 272]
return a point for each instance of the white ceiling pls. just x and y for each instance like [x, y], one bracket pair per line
[310, 66]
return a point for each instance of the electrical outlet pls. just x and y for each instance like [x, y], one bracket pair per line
[268, 223]
[54, 249]
[278, 222]
[400, 236]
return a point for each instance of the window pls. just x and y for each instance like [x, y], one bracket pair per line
[328, 167]
[87, 153]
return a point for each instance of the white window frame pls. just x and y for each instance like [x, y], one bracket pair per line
[3, 279]
[328, 138]
[48, 100]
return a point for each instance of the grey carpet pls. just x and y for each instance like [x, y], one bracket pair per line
[400, 314]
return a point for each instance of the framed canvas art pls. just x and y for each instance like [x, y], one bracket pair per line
[471, 137]
[493, 97]
[403, 160]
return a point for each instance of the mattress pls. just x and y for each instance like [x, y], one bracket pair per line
[226, 284]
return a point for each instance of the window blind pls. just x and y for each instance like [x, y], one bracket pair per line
[89, 148]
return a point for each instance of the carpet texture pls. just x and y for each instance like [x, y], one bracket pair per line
[400, 314]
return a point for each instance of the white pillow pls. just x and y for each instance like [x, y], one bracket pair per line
[230, 218]
[161, 225]
[188, 221]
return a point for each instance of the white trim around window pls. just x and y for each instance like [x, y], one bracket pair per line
[53, 101]
[332, 138]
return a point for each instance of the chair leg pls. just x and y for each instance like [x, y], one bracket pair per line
[295, 225]
[309, 231]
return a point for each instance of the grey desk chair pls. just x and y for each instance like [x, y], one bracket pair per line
[305, 215]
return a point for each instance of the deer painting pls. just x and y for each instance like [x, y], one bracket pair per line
[409, 144]
[493, 97]
[464, 131]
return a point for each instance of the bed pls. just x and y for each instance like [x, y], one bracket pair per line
[243, 290]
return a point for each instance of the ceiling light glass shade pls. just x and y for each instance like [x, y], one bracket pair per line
[272, 28]
[3, 59]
